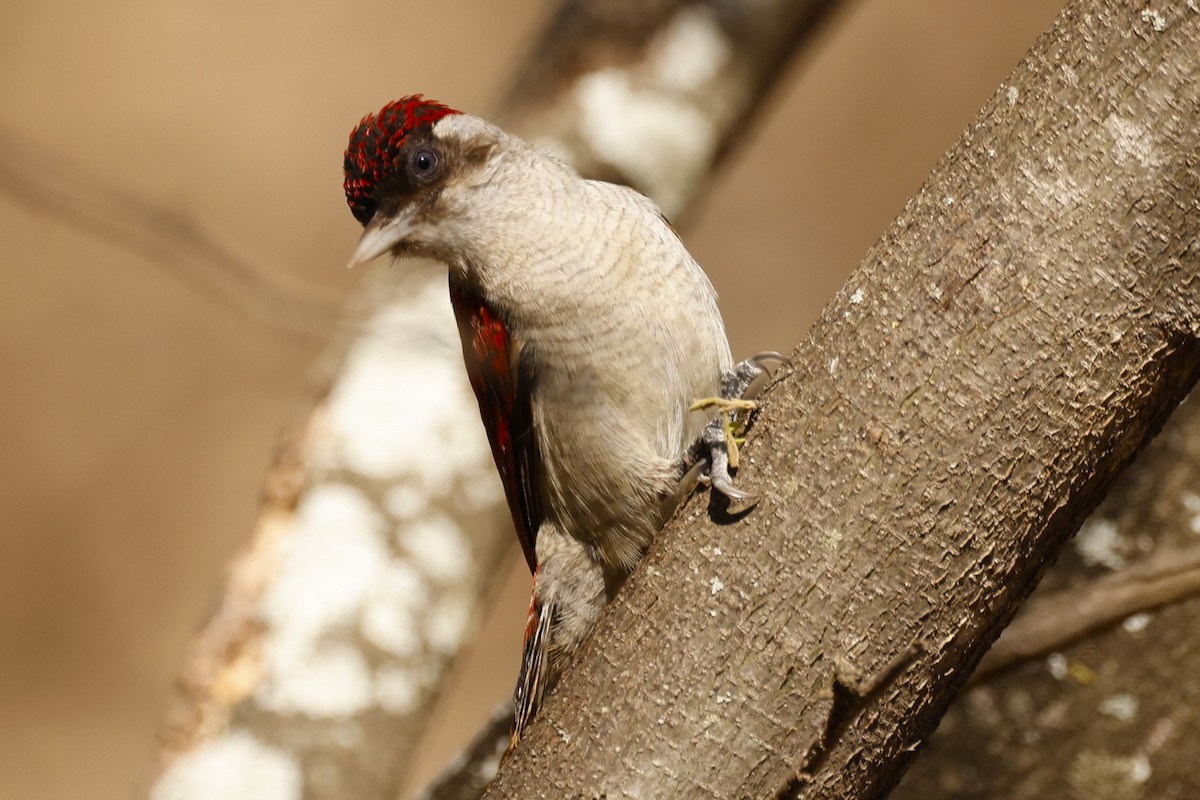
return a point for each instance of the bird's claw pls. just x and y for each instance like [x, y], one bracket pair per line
[718, 447]
[768, 363]
[771, 357]
[718, 444]
[721, 481]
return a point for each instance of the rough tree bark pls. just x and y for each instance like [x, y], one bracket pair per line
[1015, 338]
[1101, 697]
[369, 561]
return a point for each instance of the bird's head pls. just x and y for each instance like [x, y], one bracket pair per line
[404, 167]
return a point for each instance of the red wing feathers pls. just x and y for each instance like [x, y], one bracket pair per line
[502, 377]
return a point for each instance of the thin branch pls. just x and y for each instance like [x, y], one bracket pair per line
[1050, 622]
[166, 238]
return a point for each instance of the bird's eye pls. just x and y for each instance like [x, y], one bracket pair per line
[424, 162]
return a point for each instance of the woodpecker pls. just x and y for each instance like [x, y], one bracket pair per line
[591, 338]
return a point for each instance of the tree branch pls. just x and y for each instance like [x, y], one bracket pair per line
[1000, 356]
[1058, 619]
[1112, 714]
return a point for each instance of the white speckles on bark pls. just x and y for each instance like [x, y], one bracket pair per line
[233, 767]
[1191, 502]
[1121, 707]
[328, 563]
[446, 623]
[659, 140]
[1155, 20]
[1106, 776]
[396, 690]
[1058, 666]
[337, 578]
[405, 501]
[692, 51]
[1133, 142]
[321, 682]
[435, 545]
[1099, 542]
[403, 407]
[327, 567]
[1136, 623]
[391, 615]
[659, 122]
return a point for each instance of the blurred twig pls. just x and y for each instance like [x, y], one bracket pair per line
[469, 775]
[1055, 620]
[166, 238]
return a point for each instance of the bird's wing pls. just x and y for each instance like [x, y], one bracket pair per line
[501, 374]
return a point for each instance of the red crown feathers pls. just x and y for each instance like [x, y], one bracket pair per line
[374, 149]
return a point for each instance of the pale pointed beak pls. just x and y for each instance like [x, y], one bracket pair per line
[380, 236]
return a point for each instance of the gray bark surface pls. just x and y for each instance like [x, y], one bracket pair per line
[1005, 350]
[1114, 714]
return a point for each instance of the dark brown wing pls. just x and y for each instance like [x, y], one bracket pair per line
[501, 373]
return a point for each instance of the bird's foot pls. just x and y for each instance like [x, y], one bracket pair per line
[726, 426]
[718, 443]
[719, 447]
[731, 406]
[747, 380]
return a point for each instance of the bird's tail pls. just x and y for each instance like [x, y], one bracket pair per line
[535, 666]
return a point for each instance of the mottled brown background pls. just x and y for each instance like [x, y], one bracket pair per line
[138, 410]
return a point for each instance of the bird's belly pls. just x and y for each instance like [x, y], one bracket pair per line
[604, 471]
